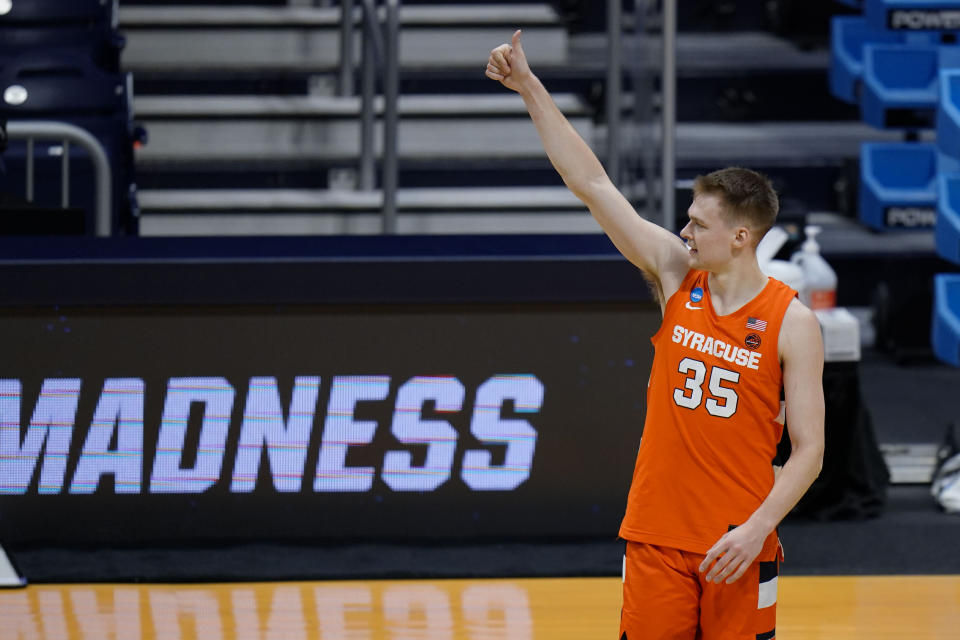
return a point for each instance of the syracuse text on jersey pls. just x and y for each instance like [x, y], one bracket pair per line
[733, 354]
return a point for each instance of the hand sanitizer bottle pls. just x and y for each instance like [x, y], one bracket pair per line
[820, 280]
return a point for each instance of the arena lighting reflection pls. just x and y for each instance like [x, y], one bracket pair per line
[480, 611]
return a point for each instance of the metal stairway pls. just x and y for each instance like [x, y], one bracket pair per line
[286, 160]
[248, 134]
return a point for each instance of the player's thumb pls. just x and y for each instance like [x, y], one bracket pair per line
[515, 43]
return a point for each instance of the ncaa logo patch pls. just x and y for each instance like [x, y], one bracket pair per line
[752, 340]
[696, 294]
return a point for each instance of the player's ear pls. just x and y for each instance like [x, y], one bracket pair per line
[742, 237]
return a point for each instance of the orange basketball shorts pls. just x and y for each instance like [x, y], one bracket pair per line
[665, 597]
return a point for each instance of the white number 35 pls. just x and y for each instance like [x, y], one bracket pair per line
[722, 402]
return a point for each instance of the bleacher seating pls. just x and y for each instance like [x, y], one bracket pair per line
[255, 138]
[946, 318]
[103, 46]
[82, 26]
[899, 85]
[848, 35]
[945, 323]
[947, 233]
[898, 185]
[901, 62]
[57, 12]
[948, 121]
[946, 313]
[59, 61]
[891, 65]
[56, 83]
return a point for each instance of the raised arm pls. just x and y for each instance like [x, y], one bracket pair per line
[801, 353]
[652, 248]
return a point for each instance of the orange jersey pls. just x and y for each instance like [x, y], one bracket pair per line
[706, 456]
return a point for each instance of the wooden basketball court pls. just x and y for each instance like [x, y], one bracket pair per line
[812, 608]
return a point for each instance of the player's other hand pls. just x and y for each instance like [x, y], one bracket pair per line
[733, 554]
[508, 64]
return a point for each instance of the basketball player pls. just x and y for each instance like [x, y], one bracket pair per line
[702, 549]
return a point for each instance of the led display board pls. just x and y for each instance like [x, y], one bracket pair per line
[320, 422]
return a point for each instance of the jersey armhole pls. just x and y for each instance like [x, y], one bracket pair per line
[688, 280]
[793, 296]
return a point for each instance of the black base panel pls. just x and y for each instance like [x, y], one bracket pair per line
[909, 538]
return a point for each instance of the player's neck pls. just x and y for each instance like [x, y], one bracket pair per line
[736, 285]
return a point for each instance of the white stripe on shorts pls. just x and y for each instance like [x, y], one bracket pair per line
[768, 594]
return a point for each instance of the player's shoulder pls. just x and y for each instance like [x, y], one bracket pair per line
[799, 315]
[800, 330]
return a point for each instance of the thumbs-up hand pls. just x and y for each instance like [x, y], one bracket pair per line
[508, 64]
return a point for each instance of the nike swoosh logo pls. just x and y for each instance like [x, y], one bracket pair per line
[690, 306]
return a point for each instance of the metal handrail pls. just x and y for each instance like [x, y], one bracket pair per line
[391, 117]
[368, 86]
[668, 109]
[378, 50]
[668, 82]
[346, 48]
[31, 130]
[614, 87]
[645, 156]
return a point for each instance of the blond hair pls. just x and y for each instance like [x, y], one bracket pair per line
[746, 196]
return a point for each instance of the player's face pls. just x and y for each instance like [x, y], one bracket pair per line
[709, 236]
